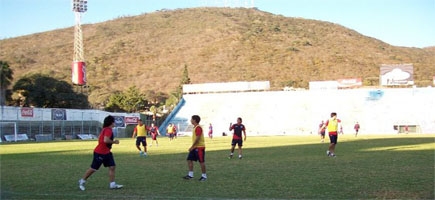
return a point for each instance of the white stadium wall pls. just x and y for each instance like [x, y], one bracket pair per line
[300, 112]
[282, 112]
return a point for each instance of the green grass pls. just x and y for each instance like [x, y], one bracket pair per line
[278, 167]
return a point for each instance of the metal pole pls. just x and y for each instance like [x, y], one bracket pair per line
[82, 123]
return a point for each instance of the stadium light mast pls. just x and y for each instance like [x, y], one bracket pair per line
[78, 65]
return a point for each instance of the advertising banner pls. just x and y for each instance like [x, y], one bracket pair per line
[26, 112]
[119, 121]
[397, 74]
[131, 120]
[58, 114]
[349, 83]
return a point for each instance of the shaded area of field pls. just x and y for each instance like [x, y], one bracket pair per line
[280, 167]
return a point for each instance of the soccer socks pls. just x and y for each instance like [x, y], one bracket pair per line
[204, 175]
[190, 173]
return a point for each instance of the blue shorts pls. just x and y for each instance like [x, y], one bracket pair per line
[333, 139]
[102, 159]
[197, 154]
[142, 140]
[239, 142]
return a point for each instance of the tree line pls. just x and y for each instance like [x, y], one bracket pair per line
[41, 90]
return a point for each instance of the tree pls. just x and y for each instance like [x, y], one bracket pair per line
[43, 91]
[184, 80]
[114, 102]
[129, 101]
[171, 102]
[155, 98]
[6, 77]
[134, 100]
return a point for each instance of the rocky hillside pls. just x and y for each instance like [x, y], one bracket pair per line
[217, 45]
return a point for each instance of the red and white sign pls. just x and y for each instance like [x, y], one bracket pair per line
[78, 70]
[349, 83]
[131, 120]
[26, 112]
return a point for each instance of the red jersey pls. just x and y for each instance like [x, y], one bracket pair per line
[153, 130]
[103, 148]
[356, 127]
[238, 129]
[320, 127]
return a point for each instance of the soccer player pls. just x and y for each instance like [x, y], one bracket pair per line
[197, 150]
[356, 127]
[103, 155]
[210, 131]
[175, 130]
[332, 126]
[154, 130]
[322, 130]
[170, 131]
[237, 137]
[141, 132]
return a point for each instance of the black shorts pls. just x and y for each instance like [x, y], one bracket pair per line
[333, 139]
[197, 154]
[102, 159]
[239, 142]
[142, 140]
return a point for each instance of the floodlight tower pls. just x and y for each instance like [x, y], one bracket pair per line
[78, 66]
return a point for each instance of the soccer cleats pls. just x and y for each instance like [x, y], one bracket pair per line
[82, 184]
[115, 186]
[187, 177]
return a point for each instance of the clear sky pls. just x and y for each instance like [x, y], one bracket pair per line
[409, 23]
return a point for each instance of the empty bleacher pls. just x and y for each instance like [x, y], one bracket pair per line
[300, 112]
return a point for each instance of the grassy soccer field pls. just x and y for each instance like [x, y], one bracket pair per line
[278, 167]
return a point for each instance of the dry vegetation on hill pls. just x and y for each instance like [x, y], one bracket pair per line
[217, 45]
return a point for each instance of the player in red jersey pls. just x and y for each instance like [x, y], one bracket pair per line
[356, 127]
[154, 130]
[238, 128]
[322, 131]
[210, 131]
[103, 155]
